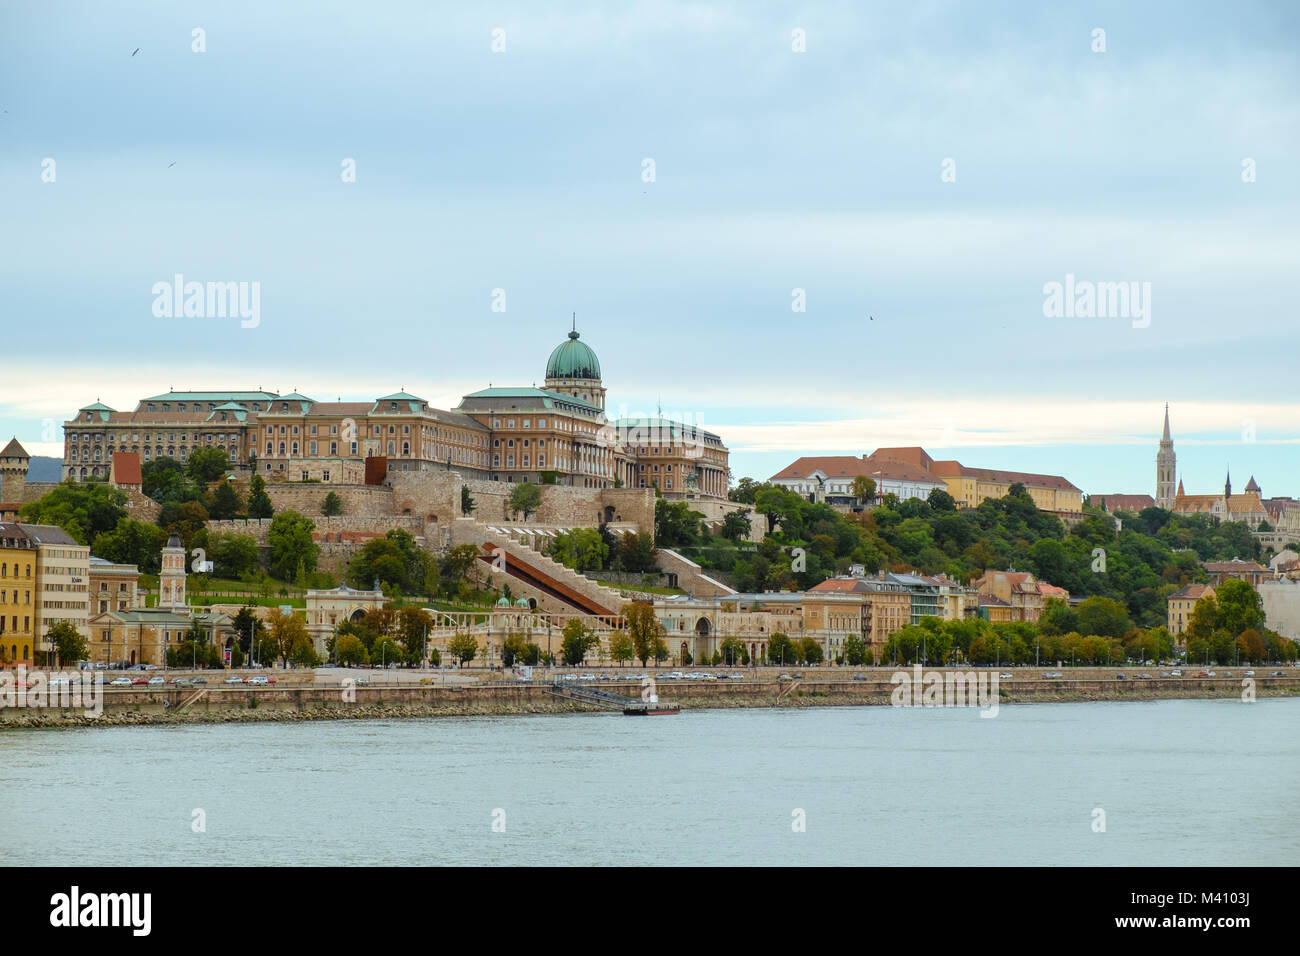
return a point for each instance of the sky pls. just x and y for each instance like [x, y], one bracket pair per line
[683, 178]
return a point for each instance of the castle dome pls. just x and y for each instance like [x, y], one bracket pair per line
[573, 359]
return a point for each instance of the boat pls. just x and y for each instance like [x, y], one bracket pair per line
[651, 710]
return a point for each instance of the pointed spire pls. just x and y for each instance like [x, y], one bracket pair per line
[1227, 484]
[1180, 487]
[1165, 437]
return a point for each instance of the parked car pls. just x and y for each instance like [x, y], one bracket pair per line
[1005, 677]
[57, 682]
[739, 676]
[120, 682]
[258, 680]
[199, 680]
[1277, 674]
[1175, 673]
[1144, 676]
[233, 680]
[156, 681]
[139, 680]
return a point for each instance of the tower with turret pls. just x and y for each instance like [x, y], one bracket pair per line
[171, 579]
[1166, 468]
[14, 462]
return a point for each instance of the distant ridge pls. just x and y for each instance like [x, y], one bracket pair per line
[45, 469]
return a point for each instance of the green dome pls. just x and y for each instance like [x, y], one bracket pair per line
[503, 601]
[573, 359]
[522, 602]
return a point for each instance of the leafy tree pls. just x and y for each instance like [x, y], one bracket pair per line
[810, 651]
[579, 639]
[259, 502]
[350, 651]
[621, 647]
[526, 497]
[82, 509]
[207, 464]
[160, 476]
[186, 519]
[462, 647]
[781, 650]
[1057, 618]
[676, 524]
[226, 503]
[582, 549]
[290, 540]
[635, 552]
[864, 488]
[413, 625]
[643, 628]
[855, 651]
[132, 542]
[1104, 616]
[733, 652]
[467, 503]
[332, 505]
[454, 567]
[736, 525]
[940, 500]
[386, 651]
[69, 645]
[1240, 608]
[233, 555]
[745, 491]
[286, 632]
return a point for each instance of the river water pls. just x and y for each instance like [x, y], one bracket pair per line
[1179, 782]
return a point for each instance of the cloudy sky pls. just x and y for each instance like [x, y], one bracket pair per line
[921, 171]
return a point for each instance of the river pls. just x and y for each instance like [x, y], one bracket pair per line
[1205, 782]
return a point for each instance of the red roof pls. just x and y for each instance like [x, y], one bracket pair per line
[126, 468]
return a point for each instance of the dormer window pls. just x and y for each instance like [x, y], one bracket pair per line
[392, 406]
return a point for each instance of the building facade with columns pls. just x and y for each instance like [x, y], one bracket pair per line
[556, 434]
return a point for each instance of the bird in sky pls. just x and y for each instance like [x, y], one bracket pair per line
[872, 318]
[135, 51]
[171, 164]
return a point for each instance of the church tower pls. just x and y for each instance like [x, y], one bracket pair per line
[1166, 463]
[171, 580]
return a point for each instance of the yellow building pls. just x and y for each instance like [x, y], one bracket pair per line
[18, 562]
[1183, 603]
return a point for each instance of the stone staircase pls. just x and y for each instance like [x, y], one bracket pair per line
[599, 598]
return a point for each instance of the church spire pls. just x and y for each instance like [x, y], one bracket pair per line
[1227, 484]
[1166, 468]
[1166, 437]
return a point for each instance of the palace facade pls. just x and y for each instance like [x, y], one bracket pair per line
[556, 434]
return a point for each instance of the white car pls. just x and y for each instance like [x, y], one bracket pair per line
[258, 680]
[233, 680]
[58, 682]
[156, 681]
[1005, 677]
[120, 682]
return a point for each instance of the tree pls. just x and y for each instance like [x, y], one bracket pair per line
[579, 639]
[736, 524]
[745, 491]
[636, 552]
[467, 503]
[855, 651]
[462, 647]
[69, 645]
[454, 567]
[582, 549]
[1057, 618]
[132, 542]
[303, 653]
[781, 650]
[733, 652]
[526, 497]
[332, 505]
[350, 652]
[386, 651]
[207, 464]
[1240, 607]
[233, 555]
[160, 476]
[864, 488]
[643, 628]
[82, 509]
[395, 560]
[940, 500]
[290, 539]
[676, 524]
[225, 502]
[621, 647]
[286, 630]
[186, 520]
[1104, 616]
[810, 651]
[259, 502]
[413, 625]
